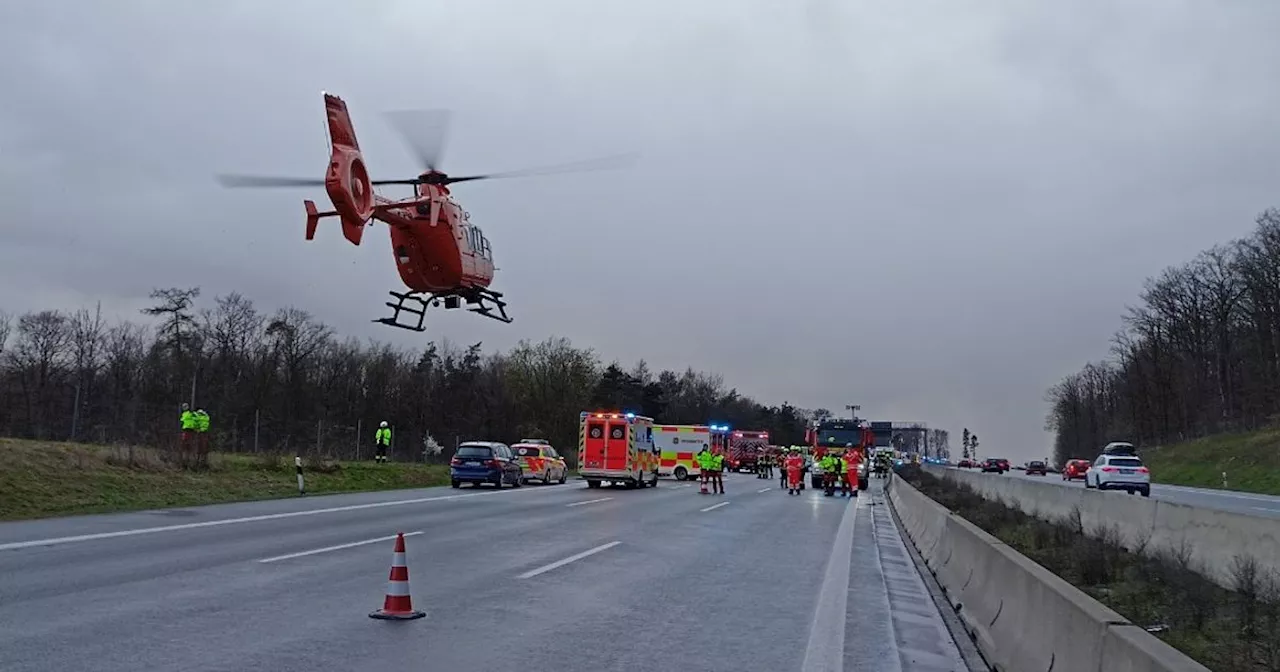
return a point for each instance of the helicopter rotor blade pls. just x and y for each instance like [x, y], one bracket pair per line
[267, 181]
[424, 131]
[602, 163]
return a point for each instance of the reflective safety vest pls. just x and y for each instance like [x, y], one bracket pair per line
[202, 421]
[717, 462]
[382, 436]
[189, 422]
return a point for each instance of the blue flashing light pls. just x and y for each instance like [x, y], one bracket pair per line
[631, 416]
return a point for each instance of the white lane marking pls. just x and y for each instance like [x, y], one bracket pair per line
[250, 519]
[1264, 508]
[825, 651]
[561, 563]
[763, 490]
[339, 547]
[590, 501]
[713, 507]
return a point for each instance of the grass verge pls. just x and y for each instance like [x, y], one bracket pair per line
[1251, 460]
[41, 479]
[1227, 631]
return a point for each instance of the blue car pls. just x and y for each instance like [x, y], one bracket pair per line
[485, 462]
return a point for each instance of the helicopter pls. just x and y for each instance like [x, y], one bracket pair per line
[442, 258]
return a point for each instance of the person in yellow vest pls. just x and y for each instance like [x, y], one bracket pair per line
[189, 426]
[381, 442]
[717, 471]
[703, 458]
[202, 431]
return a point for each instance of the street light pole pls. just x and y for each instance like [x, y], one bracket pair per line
[853, 411]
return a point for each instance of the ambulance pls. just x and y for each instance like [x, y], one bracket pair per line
[617, 448]
[677, 445]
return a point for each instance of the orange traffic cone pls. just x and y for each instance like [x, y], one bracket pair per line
[398, 605]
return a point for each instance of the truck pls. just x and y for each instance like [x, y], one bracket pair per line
[834, 436]
[744, 447]
[676, 446]
[617, 448]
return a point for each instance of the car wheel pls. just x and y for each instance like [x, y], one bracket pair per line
[456, 483]
[564, 475]
[517, 482]
[1146, 492]
[681, 474]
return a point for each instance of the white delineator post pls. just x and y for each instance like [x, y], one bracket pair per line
[297, 466]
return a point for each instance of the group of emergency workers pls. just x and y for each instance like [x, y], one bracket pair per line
[841, 470]
[711, 464]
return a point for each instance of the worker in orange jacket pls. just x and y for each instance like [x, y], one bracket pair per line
[794, 466]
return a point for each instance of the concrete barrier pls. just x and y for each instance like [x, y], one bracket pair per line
[1020, 615]
[1216, 540]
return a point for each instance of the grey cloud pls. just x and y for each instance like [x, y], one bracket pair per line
[929, 208]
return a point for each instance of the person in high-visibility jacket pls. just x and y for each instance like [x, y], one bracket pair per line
[381, 442]
[189, 426]
[830, 468]
[703, 458]
[849, 469]
[202, 430]
[717, 471]
[793, 468]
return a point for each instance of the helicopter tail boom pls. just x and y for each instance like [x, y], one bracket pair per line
[347, 180]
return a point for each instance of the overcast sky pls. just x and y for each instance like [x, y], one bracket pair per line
[933, 209]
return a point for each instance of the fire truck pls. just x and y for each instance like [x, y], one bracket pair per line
[617, 448]
[677, 446]
[744, 447]
[834, 436]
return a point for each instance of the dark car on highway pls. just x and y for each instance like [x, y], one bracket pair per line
[996, 464]
[1036, 468]
[485, 462]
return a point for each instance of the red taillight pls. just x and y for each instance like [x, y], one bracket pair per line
[1143, 470]
[455, 462]
[495, 463]
[1108, 469]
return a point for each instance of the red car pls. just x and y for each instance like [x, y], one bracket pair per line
[1074, 469]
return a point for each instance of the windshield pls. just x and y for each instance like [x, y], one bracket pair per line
[474, 451]
[528, 451]
[1125, 462]
[839, 437]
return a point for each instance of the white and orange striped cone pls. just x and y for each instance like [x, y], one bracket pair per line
[398, 606]
[703, 488]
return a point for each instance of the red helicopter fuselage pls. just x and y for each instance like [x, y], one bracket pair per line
[435, 246]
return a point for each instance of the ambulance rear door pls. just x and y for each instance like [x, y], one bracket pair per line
[616, 445]
[594, 450]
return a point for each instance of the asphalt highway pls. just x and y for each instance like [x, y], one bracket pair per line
[1247, 503]
[536, 578]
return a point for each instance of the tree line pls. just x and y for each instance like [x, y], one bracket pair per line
[1198, 355]
[284, 382]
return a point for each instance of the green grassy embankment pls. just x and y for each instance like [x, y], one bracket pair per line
[41, 479]
[1251, 460]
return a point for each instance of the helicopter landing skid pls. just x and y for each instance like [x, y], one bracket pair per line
[485, 301]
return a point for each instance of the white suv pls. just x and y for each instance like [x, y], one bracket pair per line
[1119, 472]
